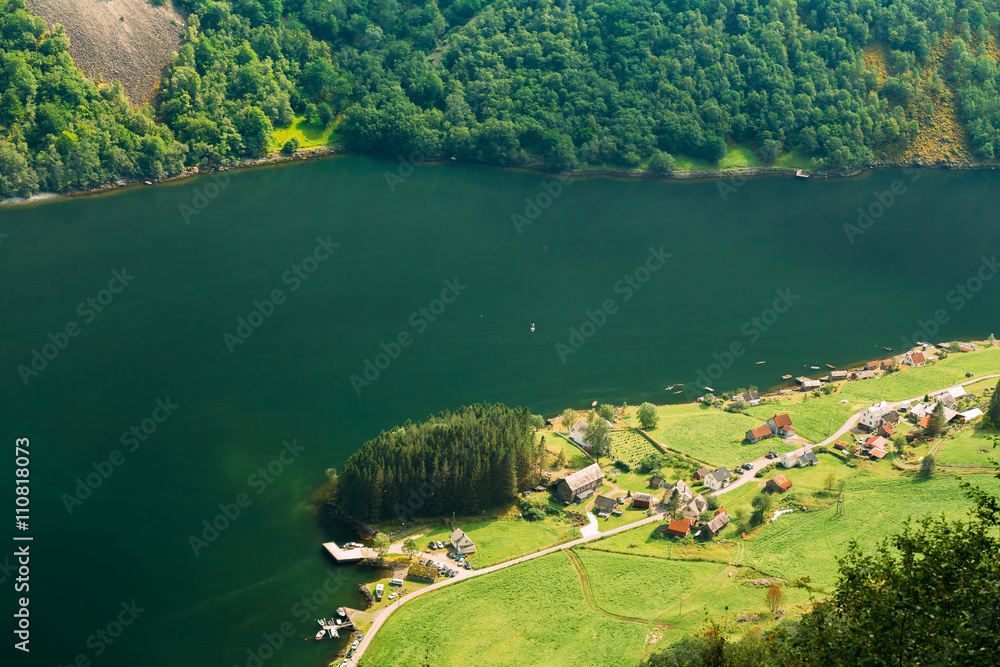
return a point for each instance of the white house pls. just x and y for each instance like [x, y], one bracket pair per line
[579, 432]
[915, 359]
[789, 459]
[718, 479]
[878, 414]
[694, 507]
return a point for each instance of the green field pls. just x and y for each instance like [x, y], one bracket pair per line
[576, 458]
[711, 435]
[309, 135]
[531, 614]
[968, 447]
[631, 447]
[639, 586]
[497, 541]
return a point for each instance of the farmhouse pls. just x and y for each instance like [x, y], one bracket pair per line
[781, 425]
[676, 528]
[580, 483]
[871, 365]
[748, 397]
[701, 474]
[878, 414]
[683, 490]
[777, 484]
[758, 433]
[715, 526]
[642, 501]
[657, 482]
[718, 479]
[461, 542]
[810, 385]
[808, 459]
[605, 504]
[578, 433]
[876, 453]
[835, 376]
[885, 430]
[969, 415]
[915, 359]
[863, 375]
[693, 509]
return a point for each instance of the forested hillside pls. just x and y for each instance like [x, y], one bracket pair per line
[467, 461]
[568, 83]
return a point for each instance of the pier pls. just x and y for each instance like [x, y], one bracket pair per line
[348, 555]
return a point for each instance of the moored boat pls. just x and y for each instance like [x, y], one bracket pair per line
[319, 635]
[831, 366]
[786, 377]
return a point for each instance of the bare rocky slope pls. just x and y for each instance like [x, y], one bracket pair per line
[133, 51]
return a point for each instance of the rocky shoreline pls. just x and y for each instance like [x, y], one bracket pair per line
[339, 149]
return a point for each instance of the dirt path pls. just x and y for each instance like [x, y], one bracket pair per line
[588, 594]
[127, 40]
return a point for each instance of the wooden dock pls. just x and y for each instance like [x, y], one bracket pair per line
[348, 555]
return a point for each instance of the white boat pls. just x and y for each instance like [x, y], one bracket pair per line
[532, 327]
[319, 635]
[341, 613]
[333, 632]
[708, 388]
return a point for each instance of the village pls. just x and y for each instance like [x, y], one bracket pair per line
[683, 496]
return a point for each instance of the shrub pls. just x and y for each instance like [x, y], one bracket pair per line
[621, 465]
[290, 146]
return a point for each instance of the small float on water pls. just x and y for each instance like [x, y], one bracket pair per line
[786, 377]
[532, 327]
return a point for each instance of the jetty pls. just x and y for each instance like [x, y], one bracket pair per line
[348, 555]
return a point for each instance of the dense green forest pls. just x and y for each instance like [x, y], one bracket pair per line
[465, 462]
[564, 83]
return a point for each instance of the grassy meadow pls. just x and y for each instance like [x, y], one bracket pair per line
[309, 135]
[500, 540]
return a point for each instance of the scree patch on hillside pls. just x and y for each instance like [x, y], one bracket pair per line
[133, 51]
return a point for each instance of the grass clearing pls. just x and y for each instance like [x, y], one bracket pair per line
[309, 135]
[631, 447]
[576, 458]
[533, 613]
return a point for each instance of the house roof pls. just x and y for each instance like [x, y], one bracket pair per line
[582, 478]
[809, 457]
[720, 475]
[703, 472]
[810, 383]
[840, 445]
[782, 420]
[679, 527]
[924, 422]
[604, 502]
[656, 480]
[969, 415]
[864, 375]
[642, 497]
[460, 539]
[876, 441]
[748, 396]
[683, 489]
[877, 452]
[720, 521]
[781, 481]
[760, 431]
[917, 357]
[697, 504]
[885, 429]
[871, 364]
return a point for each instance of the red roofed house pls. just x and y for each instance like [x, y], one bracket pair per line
[885, 430]
[840, 446]
[871, 365]
[777, 484]
[781, 425]
[758, 433]
[915, 359]
[924, 422]
[679, 528]
[876, 441]
[876, 453]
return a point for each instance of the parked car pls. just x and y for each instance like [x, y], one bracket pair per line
[421, 561]
[468, 565]
[738, 471]
[772, 455]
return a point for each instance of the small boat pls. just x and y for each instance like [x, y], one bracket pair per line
[319, 635]
[815, 368]
[786, 377]
[761, 362]
[669, 388]
[679, 391]
[532, 327]
[887, 349]
[333, 633]
[831, 366]
[708, 389]
[341, 613]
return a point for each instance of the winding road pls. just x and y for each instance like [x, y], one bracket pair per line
[382, 615]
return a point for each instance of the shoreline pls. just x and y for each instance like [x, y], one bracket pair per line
[340, 150]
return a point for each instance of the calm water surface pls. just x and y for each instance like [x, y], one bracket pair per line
[445, 229]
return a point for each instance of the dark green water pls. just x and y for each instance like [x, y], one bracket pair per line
[162, 337]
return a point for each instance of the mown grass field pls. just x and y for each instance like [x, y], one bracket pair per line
[640, 586]
[969, 447]
[531, 614]
[497, 541]
[630, 447]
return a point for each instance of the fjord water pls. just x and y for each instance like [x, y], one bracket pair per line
[162, 338]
